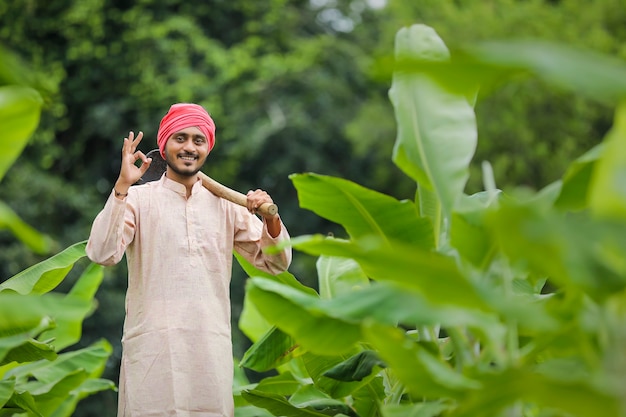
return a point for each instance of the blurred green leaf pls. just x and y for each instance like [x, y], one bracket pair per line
[7, 386]
[424, 374]
[574, 193]
[424, 409]
[35, 241]
[20, 108]
[573, 398]
[555, 246]
[468, 232]
[339, 276]
[607, 196]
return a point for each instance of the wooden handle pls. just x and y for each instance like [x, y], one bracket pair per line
[266, 209]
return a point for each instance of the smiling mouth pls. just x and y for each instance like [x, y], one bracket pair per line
[188, 158]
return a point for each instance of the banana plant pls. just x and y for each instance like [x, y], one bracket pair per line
[37, 323]
[491, 304]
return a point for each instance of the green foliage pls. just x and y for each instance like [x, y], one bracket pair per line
[487, 304]
[35, 377]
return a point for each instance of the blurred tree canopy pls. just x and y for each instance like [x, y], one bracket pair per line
[293, 85]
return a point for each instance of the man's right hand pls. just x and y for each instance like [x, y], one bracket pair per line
[131, 173]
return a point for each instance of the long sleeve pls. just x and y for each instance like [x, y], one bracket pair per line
[253, 248]
[111, 232]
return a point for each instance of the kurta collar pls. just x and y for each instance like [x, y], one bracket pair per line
[178, 187]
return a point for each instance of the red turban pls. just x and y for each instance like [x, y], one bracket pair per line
[181, 116]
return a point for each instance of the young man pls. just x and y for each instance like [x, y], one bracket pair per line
[178, 239]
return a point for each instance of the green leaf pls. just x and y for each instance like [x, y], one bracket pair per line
[7, 386]
[282, 384]
[607, 196]
[436, 128]
[549, 244]
[69, 330]
[424, 409]
[574, 193]
[391, 304]
[295, 313]
[368, 399]
[46, 275]
[270, 351]
[423, 374]
[308, 396]
[20, 108]
[436, 276]
[42, 376]
[37, 242]
[587, 73]
[468, 232]
[24, 401]
[18, 343]
[284, 277]
[251, 322]
[88, 387]
[363, 212]
[507, 388]
[489, 64]
[318, 365]
[356, 367]
[339, 276]
[278, 405]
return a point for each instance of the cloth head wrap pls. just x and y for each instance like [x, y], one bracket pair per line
[181, 116]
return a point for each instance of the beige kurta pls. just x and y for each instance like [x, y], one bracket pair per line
[177, 349]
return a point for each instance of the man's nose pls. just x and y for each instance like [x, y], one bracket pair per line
[189, 146]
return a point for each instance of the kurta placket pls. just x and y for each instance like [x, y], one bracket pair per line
[177, 349]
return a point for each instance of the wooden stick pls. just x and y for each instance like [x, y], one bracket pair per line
[267, 209]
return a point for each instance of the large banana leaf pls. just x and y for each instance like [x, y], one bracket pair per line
[46, 275]
[363, 212]
[436, 128]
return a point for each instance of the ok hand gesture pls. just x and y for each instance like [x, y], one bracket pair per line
[129, 172]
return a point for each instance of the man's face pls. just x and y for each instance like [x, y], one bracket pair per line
[186, 151]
